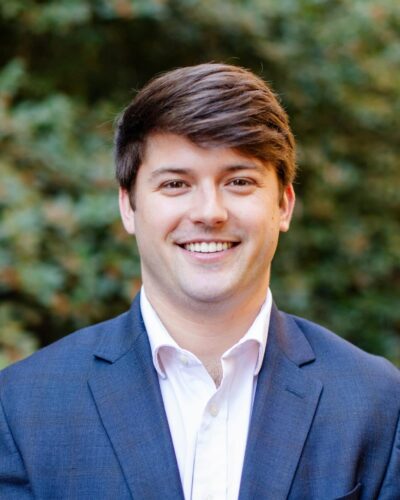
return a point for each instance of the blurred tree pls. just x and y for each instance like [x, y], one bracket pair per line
[69, 66]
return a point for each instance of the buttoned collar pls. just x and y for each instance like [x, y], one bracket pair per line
[160, 339]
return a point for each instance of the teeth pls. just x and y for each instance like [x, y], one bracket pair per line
[208, 247]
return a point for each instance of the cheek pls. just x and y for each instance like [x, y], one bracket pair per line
[263, 230]
[155, 221]
[264, 218]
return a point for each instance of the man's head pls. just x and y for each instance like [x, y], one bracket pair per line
[205, 160]
[212, 105]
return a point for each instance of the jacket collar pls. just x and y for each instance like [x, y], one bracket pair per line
[119, 335]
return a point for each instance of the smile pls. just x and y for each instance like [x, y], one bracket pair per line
[208, 246]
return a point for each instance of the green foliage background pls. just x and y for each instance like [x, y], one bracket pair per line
[69, 66]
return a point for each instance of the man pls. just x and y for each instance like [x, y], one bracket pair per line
[203, 389]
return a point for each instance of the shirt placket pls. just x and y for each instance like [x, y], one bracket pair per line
[210, 463]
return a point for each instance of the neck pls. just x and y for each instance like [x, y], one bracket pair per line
[208, 329]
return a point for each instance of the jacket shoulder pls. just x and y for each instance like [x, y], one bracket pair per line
[71, 354]
[342, 360]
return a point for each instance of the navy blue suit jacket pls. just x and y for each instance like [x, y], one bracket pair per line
[84, 419]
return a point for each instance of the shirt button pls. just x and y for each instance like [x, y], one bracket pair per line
[183, 359]
[213, 410]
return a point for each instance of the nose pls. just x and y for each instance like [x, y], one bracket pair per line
[208, 207]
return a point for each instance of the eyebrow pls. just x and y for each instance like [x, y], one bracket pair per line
[169, 170]
[187, 171]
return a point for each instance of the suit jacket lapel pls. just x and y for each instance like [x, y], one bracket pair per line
[125, 387]
[284, 407]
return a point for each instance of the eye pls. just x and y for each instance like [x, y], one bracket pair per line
[174, 187]
[241, 182]
[242, 185]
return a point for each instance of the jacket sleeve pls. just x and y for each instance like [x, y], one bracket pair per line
[14, 482]
[390, 489]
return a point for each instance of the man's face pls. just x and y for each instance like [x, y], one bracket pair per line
[206, 221]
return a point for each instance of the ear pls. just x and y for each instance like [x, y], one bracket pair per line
[126, 211]
[286, 207]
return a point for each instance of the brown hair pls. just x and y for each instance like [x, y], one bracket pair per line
[212, 105]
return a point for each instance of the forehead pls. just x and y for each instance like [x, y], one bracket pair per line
[166, 150]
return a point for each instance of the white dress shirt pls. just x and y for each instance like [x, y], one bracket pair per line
[208, 425]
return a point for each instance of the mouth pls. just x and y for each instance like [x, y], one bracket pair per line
[208, 246]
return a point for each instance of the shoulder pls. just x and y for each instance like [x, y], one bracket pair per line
[53, 385]
[343, 365]
[64, 362]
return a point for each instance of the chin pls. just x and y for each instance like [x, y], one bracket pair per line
[208, 295]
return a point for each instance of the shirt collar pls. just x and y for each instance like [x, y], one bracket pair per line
[156, 331]
[258, 332]
[160, 338]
